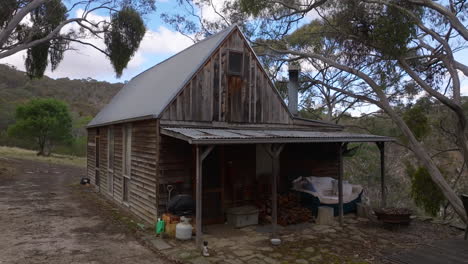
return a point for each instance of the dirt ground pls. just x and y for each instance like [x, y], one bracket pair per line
[46, 217]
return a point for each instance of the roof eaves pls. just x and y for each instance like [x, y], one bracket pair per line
[133, 119]
[319, 122]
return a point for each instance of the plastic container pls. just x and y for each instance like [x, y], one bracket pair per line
[184, 229]
[242, 216]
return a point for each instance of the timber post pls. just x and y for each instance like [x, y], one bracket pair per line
[342, 148]
[200, 156]
[274, 150]
[383, 202]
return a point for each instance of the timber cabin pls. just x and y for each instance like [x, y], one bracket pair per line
[209, 122]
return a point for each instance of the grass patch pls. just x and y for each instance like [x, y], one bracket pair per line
[19, 153]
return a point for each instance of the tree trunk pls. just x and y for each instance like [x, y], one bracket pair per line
[428, 163]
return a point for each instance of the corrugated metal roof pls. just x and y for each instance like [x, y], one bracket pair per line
[244, 136]
[148, 93]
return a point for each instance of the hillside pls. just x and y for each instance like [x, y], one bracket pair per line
[85, 97]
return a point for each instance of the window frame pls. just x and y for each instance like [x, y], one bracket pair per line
[232, 73]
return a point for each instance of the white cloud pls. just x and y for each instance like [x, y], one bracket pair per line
[85, 61]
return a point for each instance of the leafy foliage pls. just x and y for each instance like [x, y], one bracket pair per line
[45, 19]
[417, 121]
[424, 191]
[124, 37]
[45, 120]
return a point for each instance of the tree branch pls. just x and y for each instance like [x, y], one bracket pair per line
[16, 19]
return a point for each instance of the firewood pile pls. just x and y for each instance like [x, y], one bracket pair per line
[290, 211]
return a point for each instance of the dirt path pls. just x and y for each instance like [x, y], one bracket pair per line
[45, 219]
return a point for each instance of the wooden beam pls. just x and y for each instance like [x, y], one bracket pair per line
[341, 148]
[383, 197]
[201, 154]
[274, 150]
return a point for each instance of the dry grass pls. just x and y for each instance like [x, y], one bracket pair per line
[18, 153]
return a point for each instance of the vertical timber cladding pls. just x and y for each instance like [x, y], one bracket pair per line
[143, 181]
[118, 149]
[91, 155]
[213, 95]
[103, 159]
[175, 167]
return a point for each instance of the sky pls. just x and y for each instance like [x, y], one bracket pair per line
[159, 43]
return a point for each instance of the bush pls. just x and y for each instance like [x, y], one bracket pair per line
[425, 193]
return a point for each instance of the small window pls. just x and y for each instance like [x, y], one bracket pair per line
[235, 63]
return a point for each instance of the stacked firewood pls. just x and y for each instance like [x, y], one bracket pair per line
[290, 211]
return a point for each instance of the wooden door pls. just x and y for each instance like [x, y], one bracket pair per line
[240, 177]
[213, 187]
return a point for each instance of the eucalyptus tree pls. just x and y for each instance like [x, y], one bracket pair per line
[381, 51]
[385, 50]
[45, 29]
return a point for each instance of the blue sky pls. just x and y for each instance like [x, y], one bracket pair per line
[159, 43]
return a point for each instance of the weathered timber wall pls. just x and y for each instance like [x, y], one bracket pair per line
[212, 95]
[143, 181]
[175, 167]
[91, 155]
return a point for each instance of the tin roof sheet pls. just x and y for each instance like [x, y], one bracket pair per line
[244, 136]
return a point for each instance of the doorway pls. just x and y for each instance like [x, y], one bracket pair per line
[213, 186]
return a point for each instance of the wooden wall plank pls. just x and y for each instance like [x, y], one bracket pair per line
[251, 98]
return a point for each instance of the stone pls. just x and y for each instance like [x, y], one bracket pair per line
[242, 253]
[302, 261]
[325, 216]
[160, 244]
[309, 237]
[358, 238]
[265, 249]
[364, 220]
[383, 241]
[270, 260]
[316, 258]
[320, 227]
[200, 260]
[327, 240]
[233, 261]
[248, 257]
[330, 230]
[351, 221]
[276, 255]
[309, 249]
[184, 255]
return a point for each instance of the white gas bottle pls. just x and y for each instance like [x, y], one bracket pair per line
[184, 229]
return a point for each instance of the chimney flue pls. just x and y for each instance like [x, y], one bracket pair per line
[293, 87]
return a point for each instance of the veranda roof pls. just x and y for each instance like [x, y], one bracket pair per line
[214, 136]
